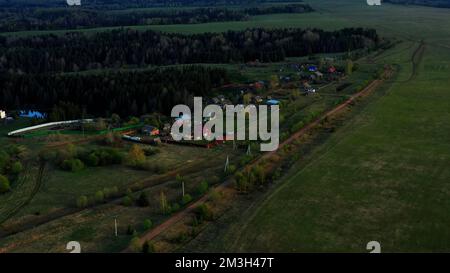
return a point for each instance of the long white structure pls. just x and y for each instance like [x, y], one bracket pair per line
[50, 124]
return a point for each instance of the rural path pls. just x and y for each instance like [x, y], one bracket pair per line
[37, 185]
[189, 209]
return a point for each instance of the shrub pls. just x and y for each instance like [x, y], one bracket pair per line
[99, 197]
[82, 201]
[187, 198]
[175, 207]
[202, 188]
[214, 195]
[136, 155]
[4, 159]
[16, 167]
[127, 201]
[231, 169]
[204, 212]
[148, 247]
[73, 165]
[4, 184]
[135, 244]
[92, 160]
[142, 201]
[148, 224]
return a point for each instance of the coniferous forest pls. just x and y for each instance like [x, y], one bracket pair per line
[41, 71]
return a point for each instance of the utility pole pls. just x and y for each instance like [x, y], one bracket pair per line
[227, 162]
[182, 186]
[115, 226]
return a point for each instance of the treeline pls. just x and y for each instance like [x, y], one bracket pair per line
[429, 3]
[130, 48]
[74, 18]
[123, 93]
[127, 4]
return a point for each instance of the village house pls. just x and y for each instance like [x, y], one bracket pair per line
[273, 102]
[150, 130]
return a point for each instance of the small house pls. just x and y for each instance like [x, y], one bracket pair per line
[150, 130]
[32, 114]
[312, 68]
[273, 102]
[318, 74]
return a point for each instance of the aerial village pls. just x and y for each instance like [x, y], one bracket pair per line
[141, 173]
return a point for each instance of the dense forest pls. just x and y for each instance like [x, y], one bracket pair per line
[123, 93]
[430, 3]
[77, 51]
[72, 18]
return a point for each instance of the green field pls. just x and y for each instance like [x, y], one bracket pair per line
[384, 176]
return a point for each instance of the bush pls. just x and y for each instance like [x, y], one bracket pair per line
[231, 169]
[82, 201]
[16, 167]
[142, 201]
[175, 207]
[4, 184]
[204, 212]
[136, 155]
[135, 244]
[187, 198]
[92, 160]
[148, 247]
[73, 165]
[202, 188]
[148, 224]
[127, 201]
[214, 195]
[99, 197]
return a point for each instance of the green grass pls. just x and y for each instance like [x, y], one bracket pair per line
[384, 176]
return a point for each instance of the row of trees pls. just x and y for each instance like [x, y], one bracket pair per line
[78, 51]
[434, 3]
[51, 19]
[128, 4]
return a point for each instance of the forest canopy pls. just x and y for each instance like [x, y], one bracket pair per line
[78, 51]
[123, 93]
[76, 18]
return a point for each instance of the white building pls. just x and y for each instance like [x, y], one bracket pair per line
[2, 114]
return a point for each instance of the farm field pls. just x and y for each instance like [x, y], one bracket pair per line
[383, 176]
